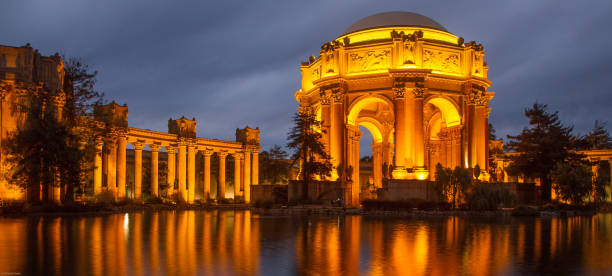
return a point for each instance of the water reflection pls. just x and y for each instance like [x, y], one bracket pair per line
[240, 243]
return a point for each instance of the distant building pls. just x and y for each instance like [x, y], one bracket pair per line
[24, 73]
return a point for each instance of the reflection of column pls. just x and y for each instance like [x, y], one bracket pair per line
[207, 153]
[121, 164]
[402, 145]
[112, 169]
[182, 171]
[97, 185]
[137, 169]
[191, 173]
[247, 177]
[255, 169]
[171, 169]
[221, 182]
[237, 169]
[154, 169]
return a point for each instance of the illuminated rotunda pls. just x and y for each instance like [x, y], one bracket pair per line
[420, 90]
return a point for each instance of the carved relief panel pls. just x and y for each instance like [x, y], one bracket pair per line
[370, 60]
[441, 61]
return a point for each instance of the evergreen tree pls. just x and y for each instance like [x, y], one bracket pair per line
[597, 138]
[306, 141]
[541, 146]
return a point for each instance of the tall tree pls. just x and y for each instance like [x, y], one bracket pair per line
[541, 146]
[306, 141]
[597, 138]
[51, 147]
[573, 181]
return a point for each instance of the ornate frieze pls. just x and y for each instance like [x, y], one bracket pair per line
[441, 61]
[371, 60]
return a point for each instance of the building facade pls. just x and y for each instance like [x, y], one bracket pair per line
[24, 74]
[420, 90]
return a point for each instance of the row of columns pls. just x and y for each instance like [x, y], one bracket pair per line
[111, 155]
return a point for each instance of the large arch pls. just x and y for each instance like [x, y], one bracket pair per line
[448, 107]
[360, 103]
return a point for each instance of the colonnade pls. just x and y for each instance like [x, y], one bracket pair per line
[110, 160]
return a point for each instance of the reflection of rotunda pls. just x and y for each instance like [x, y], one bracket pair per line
[420, 90]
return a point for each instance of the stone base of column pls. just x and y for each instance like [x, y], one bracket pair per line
[399, 173]
[421, 173]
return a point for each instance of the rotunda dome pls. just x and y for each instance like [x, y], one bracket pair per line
[394, 19]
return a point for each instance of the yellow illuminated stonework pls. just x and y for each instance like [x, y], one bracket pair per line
[24, 73]
[419, 89]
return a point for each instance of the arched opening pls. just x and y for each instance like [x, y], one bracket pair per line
[443, 133]
[370, 130]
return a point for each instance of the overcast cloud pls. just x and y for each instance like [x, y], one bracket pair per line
[236, 63]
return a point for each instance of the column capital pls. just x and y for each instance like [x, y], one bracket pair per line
[154, 146]
[399, 92]
[325, 97]
[419, 92]
[171, 149]
[207, 152]
[138, 145]
[222, 154]
[239, 155]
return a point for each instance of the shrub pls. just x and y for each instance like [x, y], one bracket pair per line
[105, 196]
[483, 196]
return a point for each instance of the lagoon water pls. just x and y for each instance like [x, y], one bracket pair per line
[242, 243]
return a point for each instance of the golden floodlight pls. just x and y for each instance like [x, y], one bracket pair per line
[419, 89]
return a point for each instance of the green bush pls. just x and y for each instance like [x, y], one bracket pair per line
[483, 196]
[105, 196]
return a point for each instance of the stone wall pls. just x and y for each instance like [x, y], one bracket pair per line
[397, 190]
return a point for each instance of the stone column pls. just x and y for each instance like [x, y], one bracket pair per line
[221, 182]
[237, 176]
[472, 138]
[112, 168]
[247, 177]
[377, 161]
[336, 143]
[255, 169]
[419, 142]
[207, 153]
[182, 172]
[97, 179]
[402, 145]
[121, 164]
[171, 169]
[154, 169]
[137, 169]
[191, 179]
[354, 135]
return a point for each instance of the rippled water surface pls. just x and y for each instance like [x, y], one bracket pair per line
[241, 243]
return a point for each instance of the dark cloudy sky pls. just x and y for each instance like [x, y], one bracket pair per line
[236, 63]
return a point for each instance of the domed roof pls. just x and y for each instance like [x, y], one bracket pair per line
[392, 19]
